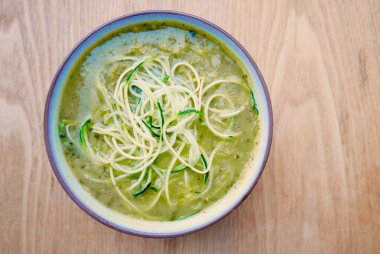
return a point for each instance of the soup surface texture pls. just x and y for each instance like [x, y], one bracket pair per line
[158, 120]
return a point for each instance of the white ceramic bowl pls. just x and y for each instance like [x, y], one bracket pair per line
[249, 176]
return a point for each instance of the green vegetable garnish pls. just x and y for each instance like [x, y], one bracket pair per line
[253, 102]
[61, 129]
[161, 113]
[151, 123]
[133, 71]
[82, 132]
[150, 129]
[179, 169]
[206, 177]
[153, 187]
[141, 189]
[186, 216]
[204, 161]
[137, 90]
[206, 166]
[165, 79]
[138, 66]
[187, 111]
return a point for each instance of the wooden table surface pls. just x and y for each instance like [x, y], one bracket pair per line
[320, 191]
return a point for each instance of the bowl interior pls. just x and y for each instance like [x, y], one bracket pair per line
[211, 214]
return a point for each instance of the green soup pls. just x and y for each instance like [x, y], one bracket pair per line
[157, 121]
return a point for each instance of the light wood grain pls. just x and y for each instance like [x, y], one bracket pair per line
[320, 191]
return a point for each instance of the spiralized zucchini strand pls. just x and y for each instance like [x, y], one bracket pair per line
[153, 108]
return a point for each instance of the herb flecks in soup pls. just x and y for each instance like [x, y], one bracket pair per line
[158, 122]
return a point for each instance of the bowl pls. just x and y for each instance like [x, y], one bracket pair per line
[243, 186]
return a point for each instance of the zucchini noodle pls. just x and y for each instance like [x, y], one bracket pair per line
[152, 109]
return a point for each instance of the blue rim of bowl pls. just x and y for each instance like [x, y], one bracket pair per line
[105, 221]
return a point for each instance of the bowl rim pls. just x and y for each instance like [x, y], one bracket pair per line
[83, 206]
